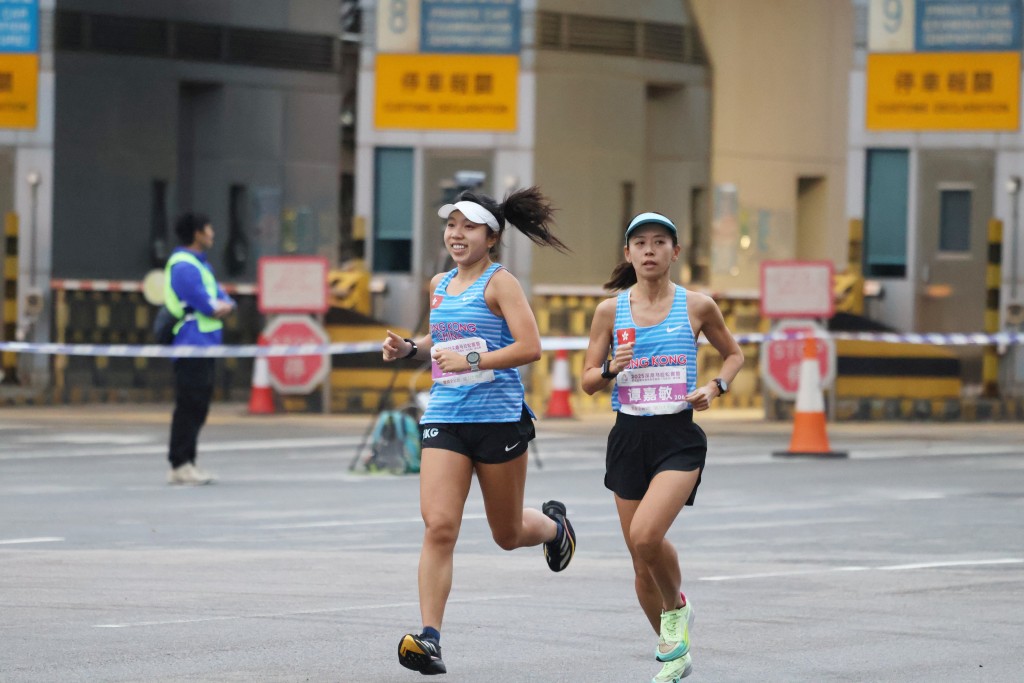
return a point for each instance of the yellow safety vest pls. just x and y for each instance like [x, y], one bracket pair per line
[174, 304]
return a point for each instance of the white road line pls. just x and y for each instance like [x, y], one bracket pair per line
[353, 522]
[274, 615]
[88, 439]
[939, 565]
[38, 539]
[895, 567]
[227, 446]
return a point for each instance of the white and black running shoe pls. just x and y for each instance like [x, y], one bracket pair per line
[559, 552]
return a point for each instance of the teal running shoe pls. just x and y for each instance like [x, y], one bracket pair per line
[674, 671]
[674, 640]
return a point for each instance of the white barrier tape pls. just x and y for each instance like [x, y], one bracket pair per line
[161, 351]
[547, 344]
[976, 339]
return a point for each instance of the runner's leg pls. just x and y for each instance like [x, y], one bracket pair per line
[646, 590]
[665, 498]
[445, 478]
[503, 486]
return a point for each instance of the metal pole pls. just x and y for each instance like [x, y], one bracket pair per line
[1014, 186]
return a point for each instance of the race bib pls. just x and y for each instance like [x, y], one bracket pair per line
[462, 347]
[658, 391]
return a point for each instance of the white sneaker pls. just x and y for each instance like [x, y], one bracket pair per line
[202, 476]
[187, 474]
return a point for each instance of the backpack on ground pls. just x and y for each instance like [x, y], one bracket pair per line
[395, 445]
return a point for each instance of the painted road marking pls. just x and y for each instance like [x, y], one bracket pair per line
[38, 539]
[331, 610]
[222, 447]
[894, 567]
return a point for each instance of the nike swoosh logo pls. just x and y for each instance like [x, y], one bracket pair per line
[673, 329]
[508, 448]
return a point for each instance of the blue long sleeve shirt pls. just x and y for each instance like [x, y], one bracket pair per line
[187, 283]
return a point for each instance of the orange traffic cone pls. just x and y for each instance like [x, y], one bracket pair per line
[261, 396]
[809, 437]
[561, 385]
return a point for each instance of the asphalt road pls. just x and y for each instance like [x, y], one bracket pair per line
[903, 563]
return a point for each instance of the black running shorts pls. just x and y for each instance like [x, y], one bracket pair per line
[641, 447]
[490, 443]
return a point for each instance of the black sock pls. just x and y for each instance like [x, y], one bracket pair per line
[431, 633]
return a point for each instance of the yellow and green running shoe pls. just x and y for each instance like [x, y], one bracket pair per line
[674, 671]
[674, 641]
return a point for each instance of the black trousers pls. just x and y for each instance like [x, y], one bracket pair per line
[193, 389]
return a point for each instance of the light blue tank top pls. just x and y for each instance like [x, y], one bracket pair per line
[466, 316]
[664, 366]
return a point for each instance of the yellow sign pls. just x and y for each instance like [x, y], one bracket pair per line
[19, 90]
[943, 91]
[447, 92]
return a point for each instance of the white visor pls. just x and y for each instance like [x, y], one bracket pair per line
[472, 211]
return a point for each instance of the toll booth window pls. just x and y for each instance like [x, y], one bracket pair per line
[955, 220]
[885, 213]
[392, 210]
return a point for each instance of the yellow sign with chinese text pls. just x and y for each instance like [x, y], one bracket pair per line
[943, 91]
[19, 90]
[447, 92]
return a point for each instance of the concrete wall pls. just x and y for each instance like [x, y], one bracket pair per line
[119, 124]
[605, 122]
[597, 128]
[780, 107]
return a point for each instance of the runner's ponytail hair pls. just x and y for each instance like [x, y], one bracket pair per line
[529, 212]
[623, 277]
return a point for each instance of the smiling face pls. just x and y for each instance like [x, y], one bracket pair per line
[466, 241]
[651, 250]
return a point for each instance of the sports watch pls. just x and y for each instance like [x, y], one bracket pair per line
[723, 386]
[606, 370]
[473, 358]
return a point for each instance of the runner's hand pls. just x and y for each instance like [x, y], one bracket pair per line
[701, 398]
[394, 347]
[622, 358]
[449, 361]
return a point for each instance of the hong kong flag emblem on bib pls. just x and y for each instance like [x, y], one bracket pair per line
[436, 300]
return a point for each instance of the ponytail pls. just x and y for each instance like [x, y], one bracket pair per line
[529, 212]
[623, 277]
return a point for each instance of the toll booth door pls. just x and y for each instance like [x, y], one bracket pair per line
[955, 198]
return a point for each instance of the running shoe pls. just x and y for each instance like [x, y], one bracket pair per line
[674, 640]
[674, 671]
[558, 553]
[420, 654]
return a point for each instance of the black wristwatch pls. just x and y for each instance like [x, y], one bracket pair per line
[723, 386]
[606, 370]
[412, 353]
[473, 358]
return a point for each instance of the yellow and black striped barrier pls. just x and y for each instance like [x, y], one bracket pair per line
[993, 280]
[9, 361]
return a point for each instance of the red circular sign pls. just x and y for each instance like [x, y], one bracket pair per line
[296, 374]
[781, 358]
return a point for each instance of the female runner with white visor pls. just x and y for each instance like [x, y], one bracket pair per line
[655, 451]
[481, 330]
